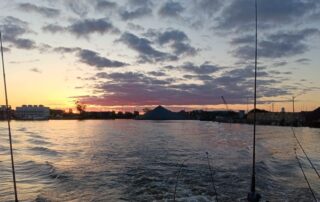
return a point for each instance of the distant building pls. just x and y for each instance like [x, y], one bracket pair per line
[32, 112]
[56, 113]
[313, 118]
[161, 113]
[4, 113]
[98, 115]
[241, 114]
[136, 113]
[276, 118]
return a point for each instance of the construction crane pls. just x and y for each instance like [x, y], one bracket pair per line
[293, 100]
[224, 101]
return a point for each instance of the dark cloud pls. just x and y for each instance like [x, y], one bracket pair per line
[62, 49]
[279, 64]
[102, 5]
[275, 72]
[132, 88]
[94, 59]
[44, 11]
[79, 7]
[240, 40]
[183, 49]
[136, 9]
[136, 13]
[141, 3]
[303, 61]
[53, 28]
[132, 77]
[239, 14]
[89, 57]
[178, 41]
[244, 52]
[137, 27]
[241, 80]
[286, 43]
[205, 68]
[171, 9]
[157, 73]
[136, 89]
[13, 29]
[209, 7]
[277, 45]
[36, 70]
[198, 77]
[246, 72]
[238, 83]
[85, 27]
[44, 48]
[148, 91]
[143, 46]
[172, 36]
[205, 11]
[24, 61]
[24, 43]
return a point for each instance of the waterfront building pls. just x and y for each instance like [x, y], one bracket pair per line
[276, 118]
[32, 112]
[4, 113]
[161, 113]
[313, 118]
[241, 114]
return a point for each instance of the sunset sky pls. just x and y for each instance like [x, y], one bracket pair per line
[128, 54]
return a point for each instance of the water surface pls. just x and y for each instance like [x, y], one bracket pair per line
[128, 160]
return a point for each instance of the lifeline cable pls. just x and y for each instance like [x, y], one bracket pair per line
[212, 179]
[300, 145]
[178, 175]
[177, 179]
[305, 177]
[9, 127]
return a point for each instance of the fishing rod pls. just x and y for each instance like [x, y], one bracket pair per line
[305, 177]
[9, 126]
[302, 149]
[252, 195]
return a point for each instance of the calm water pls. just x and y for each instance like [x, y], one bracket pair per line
[127, 160]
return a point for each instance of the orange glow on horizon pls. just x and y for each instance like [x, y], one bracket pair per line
[235, 107]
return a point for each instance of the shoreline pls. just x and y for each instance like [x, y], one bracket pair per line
[114, 119]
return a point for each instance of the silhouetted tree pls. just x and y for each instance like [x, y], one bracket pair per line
[80, 107]
[145, 110]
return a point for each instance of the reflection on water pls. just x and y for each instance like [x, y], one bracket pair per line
[127, 160]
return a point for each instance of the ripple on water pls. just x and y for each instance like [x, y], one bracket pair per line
[35, 135]
[23, 129]
[44, 151]
[38, 141]
[44, 171]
